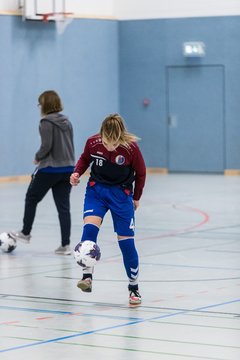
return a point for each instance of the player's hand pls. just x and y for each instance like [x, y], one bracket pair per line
[74, 179]
[135, 204]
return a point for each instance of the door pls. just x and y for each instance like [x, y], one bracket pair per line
[196, 118]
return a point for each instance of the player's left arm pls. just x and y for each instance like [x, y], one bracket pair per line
[139, 168]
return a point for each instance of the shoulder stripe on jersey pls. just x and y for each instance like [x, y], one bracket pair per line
[93, 145]
[97, 157]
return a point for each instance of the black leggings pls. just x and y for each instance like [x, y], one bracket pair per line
[38, 188]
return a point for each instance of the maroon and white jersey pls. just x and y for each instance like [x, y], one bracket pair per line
[123, 166]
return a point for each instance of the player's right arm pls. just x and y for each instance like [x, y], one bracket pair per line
[82, 165]
[74, 179]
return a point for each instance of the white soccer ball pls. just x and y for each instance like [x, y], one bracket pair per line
[87, 253]
[7, 243]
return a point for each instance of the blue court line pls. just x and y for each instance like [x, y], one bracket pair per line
[59, 312]
[36, 310]
[116, 326]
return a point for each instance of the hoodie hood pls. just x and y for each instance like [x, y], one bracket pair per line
[59, 120]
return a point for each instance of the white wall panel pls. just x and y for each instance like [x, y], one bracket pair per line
[147, 9]
[9, 5]
[84, 8]
[91, 7]
[141, 9]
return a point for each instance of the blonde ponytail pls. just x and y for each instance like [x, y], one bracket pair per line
[114, 130]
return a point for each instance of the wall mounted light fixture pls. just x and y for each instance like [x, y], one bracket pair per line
[194, 49]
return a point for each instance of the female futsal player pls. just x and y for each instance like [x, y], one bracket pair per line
[116, 183]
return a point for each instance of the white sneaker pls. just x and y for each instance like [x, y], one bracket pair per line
[134, 297]
[63, 250]
[18, 235]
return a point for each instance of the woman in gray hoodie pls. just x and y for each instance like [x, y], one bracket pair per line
[55, 162]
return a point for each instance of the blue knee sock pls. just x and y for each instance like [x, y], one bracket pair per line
[130, 259]
[90, 232]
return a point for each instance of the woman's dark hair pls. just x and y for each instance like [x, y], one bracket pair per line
[50, 102]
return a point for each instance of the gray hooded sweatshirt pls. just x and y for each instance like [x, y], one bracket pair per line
[57, 148]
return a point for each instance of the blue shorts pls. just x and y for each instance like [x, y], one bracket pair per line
[100, 198]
